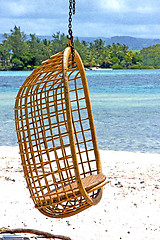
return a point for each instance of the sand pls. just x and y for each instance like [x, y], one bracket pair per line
[129, 209]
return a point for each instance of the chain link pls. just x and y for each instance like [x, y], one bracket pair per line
[72, 4]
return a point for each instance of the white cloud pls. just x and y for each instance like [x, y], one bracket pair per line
[145, 9]
[103, 18]
[114, 5]
[17, 9]
[126, 6]
[33, 9]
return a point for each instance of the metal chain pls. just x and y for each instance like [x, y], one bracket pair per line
[72, 4]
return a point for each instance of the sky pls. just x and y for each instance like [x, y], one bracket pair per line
[93, 18]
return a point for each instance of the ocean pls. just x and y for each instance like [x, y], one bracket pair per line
[125, 104]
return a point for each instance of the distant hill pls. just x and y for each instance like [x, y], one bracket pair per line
[135, 43]
[132, 42]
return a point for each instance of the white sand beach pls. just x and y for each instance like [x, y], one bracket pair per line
[129, 209]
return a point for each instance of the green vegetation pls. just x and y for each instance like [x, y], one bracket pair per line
[151, 56]
[19, 53]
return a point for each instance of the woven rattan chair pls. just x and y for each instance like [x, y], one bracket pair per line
[56, 137]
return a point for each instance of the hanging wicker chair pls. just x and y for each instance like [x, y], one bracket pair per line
[57, 139]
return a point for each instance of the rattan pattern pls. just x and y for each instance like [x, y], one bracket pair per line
[57, 139]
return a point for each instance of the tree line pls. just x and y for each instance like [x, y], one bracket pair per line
[17, 52]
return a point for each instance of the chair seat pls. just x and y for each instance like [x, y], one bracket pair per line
[90, 183]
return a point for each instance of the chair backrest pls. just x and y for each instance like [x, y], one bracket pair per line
[56, 135]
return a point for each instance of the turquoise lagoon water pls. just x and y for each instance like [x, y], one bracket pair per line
[125, 103]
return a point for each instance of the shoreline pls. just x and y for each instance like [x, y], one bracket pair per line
[88, 69]
[98, 69]
[130, 202]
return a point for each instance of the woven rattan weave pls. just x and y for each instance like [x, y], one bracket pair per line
[57, 139]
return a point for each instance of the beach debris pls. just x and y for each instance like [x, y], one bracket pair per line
[9, 179]
[116, 183]
[33, 231]
[141, 182]
[135, 204]
[68, 223]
